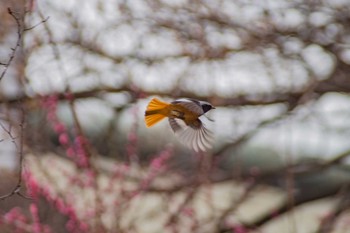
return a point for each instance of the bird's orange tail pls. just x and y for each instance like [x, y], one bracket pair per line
[155, 112]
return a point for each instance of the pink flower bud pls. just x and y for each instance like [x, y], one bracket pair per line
[63, 139]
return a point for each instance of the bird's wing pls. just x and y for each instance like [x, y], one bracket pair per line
[195, 136]
[192, 105]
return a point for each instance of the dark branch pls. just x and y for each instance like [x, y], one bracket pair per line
[41, 22]
[19, 22]
[17, 189]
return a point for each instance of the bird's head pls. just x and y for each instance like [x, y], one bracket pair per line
[206, 106]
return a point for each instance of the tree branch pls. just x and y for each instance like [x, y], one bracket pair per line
[16, 190]
[19, 22]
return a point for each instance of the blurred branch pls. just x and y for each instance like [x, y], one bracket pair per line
[248, 135]
[249, 187]
[219, 101]
[135, 93]
[173, 217]
[336, 159]
[305, 192]
[327, 224]
[92, 48]
[292, 99]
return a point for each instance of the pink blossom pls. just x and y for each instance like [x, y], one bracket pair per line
[63, 139]
[46, 229]
[121, 170]
[82, 158]
[70, 226]
[77, 151]
[156, 166]
[132, 136]
[239, 229]
[70, 152]
[91, 177]
[60, 205]
[59, 127]
[15, 214]
[188, 211]
[36, 227]
[80, 140]
[32, 185]
[83, 226]
[33, 209]
[158, 163]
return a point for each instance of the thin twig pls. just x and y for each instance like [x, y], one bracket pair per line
[41, 22]
[343, 205]
[17, 188]
[235, 204]
[18, 42]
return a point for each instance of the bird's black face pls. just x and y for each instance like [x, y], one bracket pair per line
[206, 107]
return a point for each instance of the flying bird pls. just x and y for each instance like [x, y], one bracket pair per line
[183, 116]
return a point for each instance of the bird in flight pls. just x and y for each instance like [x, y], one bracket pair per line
[183, 116]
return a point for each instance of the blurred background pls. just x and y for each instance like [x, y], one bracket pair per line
[276, 71]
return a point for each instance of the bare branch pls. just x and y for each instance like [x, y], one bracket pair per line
[41, 22]
[17, 188]
[19, 22]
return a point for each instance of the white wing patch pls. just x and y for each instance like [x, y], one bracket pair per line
[198, 139]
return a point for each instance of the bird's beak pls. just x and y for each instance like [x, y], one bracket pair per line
[213, 108]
